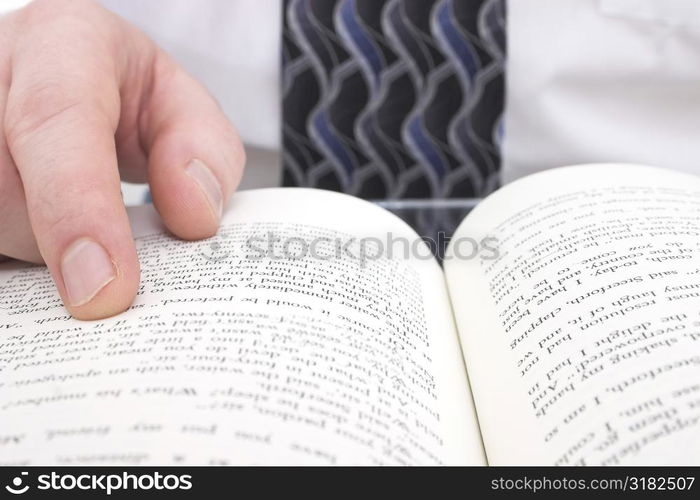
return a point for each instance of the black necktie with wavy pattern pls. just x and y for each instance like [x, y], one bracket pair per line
[388, 99]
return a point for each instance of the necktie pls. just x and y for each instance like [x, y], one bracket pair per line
[391, 99]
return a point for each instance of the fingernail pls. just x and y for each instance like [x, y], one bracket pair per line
[209, 185]
[87, 269]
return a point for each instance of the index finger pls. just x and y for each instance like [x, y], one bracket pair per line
[61, 115]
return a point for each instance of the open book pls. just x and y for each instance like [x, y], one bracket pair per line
[571, 335]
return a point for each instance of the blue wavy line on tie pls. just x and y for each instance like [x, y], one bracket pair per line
[409, 48]
[309, 31]
[453, 36]
[425, 146]
[322, 124]
[499, 132]
[364, 44]
[494, 26]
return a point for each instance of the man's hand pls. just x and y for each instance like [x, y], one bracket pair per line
[86, 99]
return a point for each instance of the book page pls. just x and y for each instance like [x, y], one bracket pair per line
[287, 339]
[582, 335]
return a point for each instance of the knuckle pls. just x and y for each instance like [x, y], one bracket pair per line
[39, 10]
[33, 108]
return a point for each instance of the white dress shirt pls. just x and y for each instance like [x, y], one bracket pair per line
[587, 80]
[600, 81]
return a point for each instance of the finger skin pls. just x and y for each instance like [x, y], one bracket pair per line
[17, 239]
[178, 132]
[87, 97]
[16, 236]
[60, 119]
